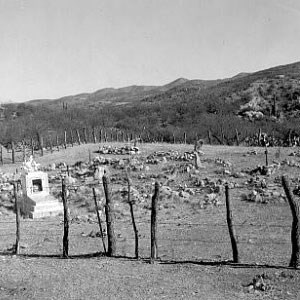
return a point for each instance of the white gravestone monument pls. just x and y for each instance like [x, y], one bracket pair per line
[37, 201]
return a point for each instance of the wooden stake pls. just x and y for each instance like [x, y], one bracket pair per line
[66, 220]
[17, 210]
[72, 137]
[85, 136]
[237, 137]
[99, 220]
[184, 138]
[24, 151]
[266, 153]
[1, 155]
[13, 152]
[295, 233]
[50, 143]
[94, 135]
[42, 145]
[57, 143]
[110, 217]
[136, 232]
[32, 147]
[78, 137]
[154, 222]
[231, 230]
[209, 137]
[65, 139]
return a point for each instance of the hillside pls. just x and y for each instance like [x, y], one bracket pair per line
[268, 99]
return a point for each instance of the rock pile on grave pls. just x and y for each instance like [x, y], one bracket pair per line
[124, 150]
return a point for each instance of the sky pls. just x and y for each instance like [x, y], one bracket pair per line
[54, 48]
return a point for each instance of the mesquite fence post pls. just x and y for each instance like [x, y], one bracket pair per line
[99, 220]
[209, 136]
[72, 137]
[231, 230]
[24, 150]
[13, 152]
[17, 210]
[65, 139]
[42, 146]
[50, 144]
[295, 233]
[1, 155]
[110, 217]
[154, 222]
[94, 135]
[266, 153]
[237, 137]
[32, 147]
[78, 137]
[57, 143]
[66, 220]
[136, 232]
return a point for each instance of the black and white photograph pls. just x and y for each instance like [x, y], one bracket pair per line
[149, 149]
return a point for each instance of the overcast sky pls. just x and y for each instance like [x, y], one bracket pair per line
[53, 48]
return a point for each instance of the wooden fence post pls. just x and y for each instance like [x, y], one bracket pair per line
[24, 150]
[17, 210]
[259, 137]
[13, 152]
[136, 232]
[94, 135]
[110, 217]
[99, 220]
[42, 145]
[184, 138]
[209, 137]
[1, 155]
[66, 220]
[65, 139]
[237, 137]
[57, 143]
[101, 136]
[231, 230]
[32, 147]
[78, 137]
[72, 137]
[295, 233]
[85, 136]
[154, 222]
[266, 153]
[50, 144]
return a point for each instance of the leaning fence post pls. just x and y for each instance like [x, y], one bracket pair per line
[136, 232]
[231, 230]
[295, 233]
[17, 209]
[99, 220]
[110, 217]
[154, 222]
[66, 220]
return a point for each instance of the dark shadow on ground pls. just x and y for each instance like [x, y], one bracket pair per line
[147, 260]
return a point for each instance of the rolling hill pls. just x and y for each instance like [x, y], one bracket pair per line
[269, 99]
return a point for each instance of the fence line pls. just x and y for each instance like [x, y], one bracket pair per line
[154, 225]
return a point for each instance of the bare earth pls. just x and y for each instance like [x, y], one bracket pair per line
[193, 242]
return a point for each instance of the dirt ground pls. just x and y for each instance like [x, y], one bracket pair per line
[193, 242]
